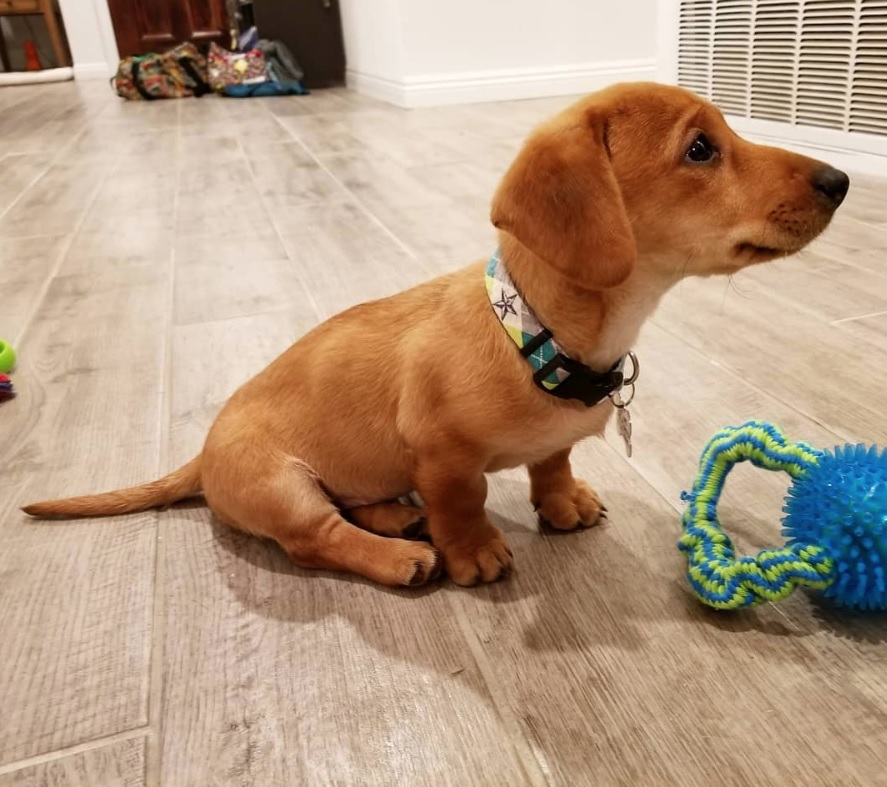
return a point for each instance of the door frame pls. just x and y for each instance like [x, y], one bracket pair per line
[90, 38]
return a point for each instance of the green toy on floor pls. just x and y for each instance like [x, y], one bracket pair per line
[7, 361]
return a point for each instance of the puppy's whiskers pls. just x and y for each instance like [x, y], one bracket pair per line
[731, 280]
[731, 285]
[724, 297]
[682, 272]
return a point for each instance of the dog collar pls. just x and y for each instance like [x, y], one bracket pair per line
[553, 370]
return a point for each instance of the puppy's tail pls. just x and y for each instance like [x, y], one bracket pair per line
[179, 484]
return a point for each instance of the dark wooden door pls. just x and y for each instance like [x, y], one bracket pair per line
[312, 29]
[156, 25]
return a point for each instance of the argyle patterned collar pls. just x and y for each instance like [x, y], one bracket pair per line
[554, 371]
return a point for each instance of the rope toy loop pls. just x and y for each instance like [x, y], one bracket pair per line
[716, 576]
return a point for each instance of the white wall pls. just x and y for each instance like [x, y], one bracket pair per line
[421, 52]
[371, 31]
[467, 35]
[90, 38]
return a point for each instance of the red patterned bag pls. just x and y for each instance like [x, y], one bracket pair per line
[235, 68]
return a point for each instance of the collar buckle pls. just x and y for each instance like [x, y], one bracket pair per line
[582, 383]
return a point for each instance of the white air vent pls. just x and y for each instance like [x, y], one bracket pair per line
[807, 62]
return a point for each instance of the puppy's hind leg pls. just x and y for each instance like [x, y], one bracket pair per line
[391, 518]
[290, 506]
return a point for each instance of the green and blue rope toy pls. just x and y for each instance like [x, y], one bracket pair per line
[835, 522]
[7, 361]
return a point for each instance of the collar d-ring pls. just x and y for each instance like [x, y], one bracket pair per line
[627, 382]
[635, 371]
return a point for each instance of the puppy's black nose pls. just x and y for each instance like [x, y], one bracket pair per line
[832, 184]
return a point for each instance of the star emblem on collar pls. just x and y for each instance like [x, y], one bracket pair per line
[505, 305]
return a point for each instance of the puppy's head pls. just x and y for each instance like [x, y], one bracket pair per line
[650, 175]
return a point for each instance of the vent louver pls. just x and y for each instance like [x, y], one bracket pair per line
[808, 62]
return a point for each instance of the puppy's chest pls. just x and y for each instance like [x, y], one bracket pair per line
[532, 441]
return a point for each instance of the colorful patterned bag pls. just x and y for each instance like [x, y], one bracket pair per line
[178, 73]
[235, 68]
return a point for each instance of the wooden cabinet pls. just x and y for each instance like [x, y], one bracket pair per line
[312, 29]
[24, 8]
[156, 25]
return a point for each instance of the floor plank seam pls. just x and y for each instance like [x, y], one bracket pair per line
[157, 640]
[234, 317]
[760, 389]
[319, 314]
[534, 769]
[49, 165]
[19, 238]
[863, 225]
[357, 200]
[56, 269]
[843, 320]
[851, 264]
[813, 313]
[70, 751]
[25, 190]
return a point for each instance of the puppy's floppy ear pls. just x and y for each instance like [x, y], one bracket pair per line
[561, 200]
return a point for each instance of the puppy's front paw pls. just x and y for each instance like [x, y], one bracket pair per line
[576, 508]
[486, 557]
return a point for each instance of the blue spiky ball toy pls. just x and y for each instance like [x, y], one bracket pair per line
[841, 504]
[835, 521]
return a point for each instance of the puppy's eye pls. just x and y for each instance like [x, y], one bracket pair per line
[701, 151]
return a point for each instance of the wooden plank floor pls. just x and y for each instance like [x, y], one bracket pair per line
[153, 257]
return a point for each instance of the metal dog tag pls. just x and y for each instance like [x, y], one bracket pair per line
[623, 422]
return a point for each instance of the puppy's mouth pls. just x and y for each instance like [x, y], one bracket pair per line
[752, 252]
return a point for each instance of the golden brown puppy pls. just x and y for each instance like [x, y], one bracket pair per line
[605, 208]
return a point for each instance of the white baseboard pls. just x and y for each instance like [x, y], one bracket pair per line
[35, 77]
[93, 71]
[376, 87]
[500, 85]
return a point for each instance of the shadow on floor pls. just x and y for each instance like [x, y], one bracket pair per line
[613, 586]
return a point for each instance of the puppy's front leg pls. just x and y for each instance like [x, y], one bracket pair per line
[562, 501]
[454, 491]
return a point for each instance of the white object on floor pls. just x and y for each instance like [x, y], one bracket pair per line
[33, 77]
